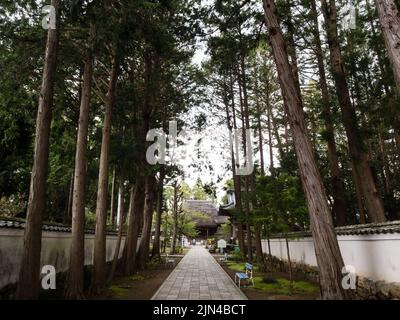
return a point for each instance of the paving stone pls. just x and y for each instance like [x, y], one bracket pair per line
[198, 277]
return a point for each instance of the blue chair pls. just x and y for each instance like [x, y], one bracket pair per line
[246, 276]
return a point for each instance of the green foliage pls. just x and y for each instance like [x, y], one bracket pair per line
[223, 232]
[137, 277]
[204, 191]
[188, 227]
[166, 33]
[277, 285]
[155, 262]
[237, 256]
[12, 206]
[164, 30]
[117, 291]
[281, 204]
[236, 265]
[90, 220]
[283, 286]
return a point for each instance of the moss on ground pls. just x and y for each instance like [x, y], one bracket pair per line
[239, 266]
[283, 286]
[118, 291]
[137, 277]
[279, 285]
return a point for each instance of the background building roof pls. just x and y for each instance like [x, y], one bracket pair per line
[210, 212]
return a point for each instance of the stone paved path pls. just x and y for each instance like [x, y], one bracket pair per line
[198, 277]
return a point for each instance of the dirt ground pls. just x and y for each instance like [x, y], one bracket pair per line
[141, 286]
[254, 294]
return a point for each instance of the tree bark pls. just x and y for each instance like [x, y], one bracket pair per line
[245, 125]
[143, 254]
[386, 173]
[379, 54]
[68, 211]
[259, 252]
[338, 190]
[397, 137]
[175, 219]
[159, 208]
[75, 281]
[112, 200]
[389, 18]
[358, 156]
[359, 196]
[261, 146]
[289, 263]
[250, 180]
[292, 45]
[29, 275]
[99, 259]
[274, 127]
[259, 128]
[121, 209]
[327, 251]
[236, 178]
[271, 151]
[135, 221]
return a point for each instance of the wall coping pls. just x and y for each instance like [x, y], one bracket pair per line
[14, 223]
[390, 227]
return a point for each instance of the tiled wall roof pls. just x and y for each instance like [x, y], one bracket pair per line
[360, 229]
[20, 224]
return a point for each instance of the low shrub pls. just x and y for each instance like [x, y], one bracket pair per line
[237, 256]
[269, 280]
[155, 262]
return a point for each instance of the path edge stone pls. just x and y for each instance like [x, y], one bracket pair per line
[233, 282]
[166, 279]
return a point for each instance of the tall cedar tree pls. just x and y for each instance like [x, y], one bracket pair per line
[338, 189]
[359, 156]
[329, 258]
[389, 17]
[28, 283]
[99, 259]
[75, 279]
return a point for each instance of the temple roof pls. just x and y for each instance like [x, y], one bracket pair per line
[224, 209]
[209, 210]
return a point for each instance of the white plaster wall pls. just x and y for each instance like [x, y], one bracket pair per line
[376, 256]
[55, 251]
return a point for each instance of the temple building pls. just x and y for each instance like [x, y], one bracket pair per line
[210, 220]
